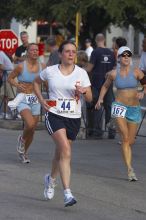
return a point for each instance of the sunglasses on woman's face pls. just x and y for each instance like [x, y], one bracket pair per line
[126, 55]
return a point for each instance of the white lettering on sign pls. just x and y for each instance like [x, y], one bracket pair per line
[8, 43]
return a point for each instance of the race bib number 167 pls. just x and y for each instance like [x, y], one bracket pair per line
[118, 111]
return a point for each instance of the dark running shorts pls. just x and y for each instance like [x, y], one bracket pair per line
[55, 122]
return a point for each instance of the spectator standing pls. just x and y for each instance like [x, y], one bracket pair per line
[54, 54]
[59, 38]
[7, 92]
[119, 42]
[82, 61]
[89, 48]
[102, 61]
[142, 64]
[5, 62]
[20, 54]
[113, 46]
[41, 46]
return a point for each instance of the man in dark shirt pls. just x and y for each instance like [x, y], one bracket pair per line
[20, 53]
[101, 62]
[54, 54]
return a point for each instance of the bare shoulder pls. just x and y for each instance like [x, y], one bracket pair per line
[112, 74]
[138, 73]
[19, 67]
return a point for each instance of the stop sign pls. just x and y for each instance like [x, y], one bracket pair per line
[8, 41]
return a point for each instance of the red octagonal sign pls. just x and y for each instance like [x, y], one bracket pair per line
[8, 41]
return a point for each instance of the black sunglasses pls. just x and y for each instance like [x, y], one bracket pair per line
[126, 55]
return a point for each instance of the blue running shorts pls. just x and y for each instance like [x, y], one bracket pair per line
[133, 113]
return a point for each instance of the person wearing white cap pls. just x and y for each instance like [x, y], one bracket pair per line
[126, 107]
[124, 49]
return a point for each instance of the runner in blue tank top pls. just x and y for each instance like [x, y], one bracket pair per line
[126, 108]
[26, 101]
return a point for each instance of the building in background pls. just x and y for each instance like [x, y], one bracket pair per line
[43, 29]
[134, 38]
[18, 27]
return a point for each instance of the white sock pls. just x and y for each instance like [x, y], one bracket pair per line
[67, 191]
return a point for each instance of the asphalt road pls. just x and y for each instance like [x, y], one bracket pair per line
[99, 181]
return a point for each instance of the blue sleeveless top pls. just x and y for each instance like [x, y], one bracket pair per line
[126, 82]
[27, 76]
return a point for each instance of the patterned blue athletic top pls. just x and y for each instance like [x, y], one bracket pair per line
[126, 82]
[27, 76]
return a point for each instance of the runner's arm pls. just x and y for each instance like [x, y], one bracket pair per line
[104, 89]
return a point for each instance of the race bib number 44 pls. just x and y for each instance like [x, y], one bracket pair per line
[66, 106]
[31, 99]
[118, 111]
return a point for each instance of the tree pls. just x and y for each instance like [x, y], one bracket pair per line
[96, 14]
[6, 13]
[125, 12]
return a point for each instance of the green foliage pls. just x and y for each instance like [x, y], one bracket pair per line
[125, 12]
[116, 11]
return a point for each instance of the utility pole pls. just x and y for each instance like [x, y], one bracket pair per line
[78, 21]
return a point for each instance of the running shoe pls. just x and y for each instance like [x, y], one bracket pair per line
[49, 187]
[69, 199]
[132, 175]
[20, 145]
[23, 158]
